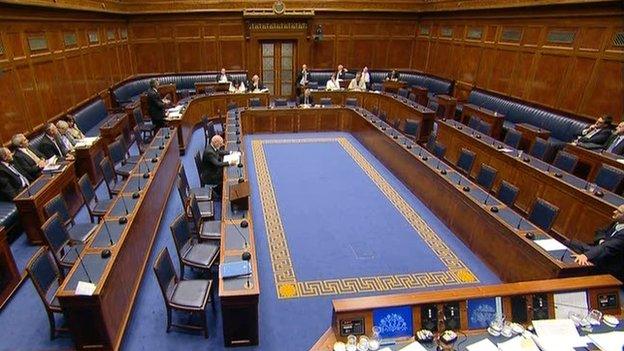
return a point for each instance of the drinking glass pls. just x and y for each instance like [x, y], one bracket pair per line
[362, 343]
[351, 343]
[375, 340]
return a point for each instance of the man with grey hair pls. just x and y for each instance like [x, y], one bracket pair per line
[212, 164]
[156, 104]
[64, 135]
[12, 178]
[26, 157]
[51, 144]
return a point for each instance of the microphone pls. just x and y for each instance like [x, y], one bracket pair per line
[28, 191]
[135, 195]
[438, 164]
[110, 238]
[563, 255]
[519, 222]
[246, 246]
[82, 265]
[459, 180]
[123, 220]
[486, 199]
[246, 256]
[548, 168]
[147, 169]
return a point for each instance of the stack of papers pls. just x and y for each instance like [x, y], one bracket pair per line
[85, 288]
[52, 168]
[550, 245]
[613, 341]
[235, 155]
[557, 335]
[85, 143]
[174, 113]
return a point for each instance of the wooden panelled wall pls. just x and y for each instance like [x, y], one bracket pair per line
[50, 62]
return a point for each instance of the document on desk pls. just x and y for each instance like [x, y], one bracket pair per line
[415, 346]
[235, 155]
[566, 303]
[613, 341]
[519, 343]
[85, 289]
[85, 143]
[550, 244]
[483, 345]
[558, 333]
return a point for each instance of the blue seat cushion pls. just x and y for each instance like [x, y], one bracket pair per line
[91, 115]
[8, 214]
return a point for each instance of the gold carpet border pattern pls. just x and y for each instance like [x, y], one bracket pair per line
[283, 271]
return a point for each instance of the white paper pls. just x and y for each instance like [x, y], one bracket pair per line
[613, 341]
[86, 142]
[620, 160]
[415, 346]
[84, 288]
[550, 244]
[52, 160]
[51, 168]
[519, 343]
[233, 156]
[506, 150]
[558, 332]
[483, 345]
[565, 303]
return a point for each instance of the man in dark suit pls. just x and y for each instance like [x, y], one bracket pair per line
[306, 98]
[12, 178]
[223, 77]
[51, 145]
[255, 85]
[212, 164]
[614, 143]
[27, 158]
[393, 75]
[597, 133]
[303, 77]
[607, 251]
[341, 74]
[156, 105]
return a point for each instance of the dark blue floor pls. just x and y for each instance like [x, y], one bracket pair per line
[285, 324]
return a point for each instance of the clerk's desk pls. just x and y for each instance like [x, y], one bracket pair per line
[580, 212]
[99, 321]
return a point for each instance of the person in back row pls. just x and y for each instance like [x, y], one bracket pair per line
[75, 132]
[12, 178]
[357, 83]
[332, 83]
[614, 143]
[156, 105]
[306, 98]
[254, 85]
[597, 133]
[223, 77]
[51, 144]
[26, 157]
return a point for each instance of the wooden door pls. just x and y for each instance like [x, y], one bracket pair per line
[277, 67]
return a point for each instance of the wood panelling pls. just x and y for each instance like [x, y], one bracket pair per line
[40, 85]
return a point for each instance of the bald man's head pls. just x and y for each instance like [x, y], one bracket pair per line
[216, 142]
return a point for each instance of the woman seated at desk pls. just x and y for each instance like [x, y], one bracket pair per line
[332, 83]
[237, 87]
[357, 83]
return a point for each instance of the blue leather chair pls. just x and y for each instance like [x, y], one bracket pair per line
[411, 128]
[199, 255]
[232, 106]
[206, 208]
[507, 193]
[185, 296]
[8, 214]
[403, 92]
[383, 115]
[111, 179]
[201, 193]
[485, 128]
[512, 138]
[255, 102]
[280, 102]
[206, 229]
[79, 232]
[89, 117]
[351, 102]
[313, 85]
[543, 214]
[474, 123]
[63, 248]
[565, 161]
[542, 149]
[439, 150]
[118, 155]
[411, 97]
[486, 176]
[377, 87]
[609, 178]
[97, 208]
[326, 101]
[465, 160]
[146, 129]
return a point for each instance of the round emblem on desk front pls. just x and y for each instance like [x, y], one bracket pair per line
[279, 7]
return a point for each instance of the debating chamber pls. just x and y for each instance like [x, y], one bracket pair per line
[288, 175]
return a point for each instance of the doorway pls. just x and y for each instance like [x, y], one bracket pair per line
[277, 67]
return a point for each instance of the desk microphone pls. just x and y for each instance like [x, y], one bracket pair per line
[147, 169]
[135, 195]
[242, 236]
[82, 265]
[438, 164]
[548, 168]
[519, 222]
[124, 220]
[110, 238]
[246, 256]
[486, 199]
[563, 255]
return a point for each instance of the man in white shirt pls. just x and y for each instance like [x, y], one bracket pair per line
[366, 77]
[332, 83]
[223, 77]
[66, 138]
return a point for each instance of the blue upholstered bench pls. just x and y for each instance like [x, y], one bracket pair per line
[89, 117]
[8, 214]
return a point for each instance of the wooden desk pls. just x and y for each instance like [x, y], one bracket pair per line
[590, 161]
[393, 86]
[88, 159]
[421, 95]
[99, 321]
[446, 106]
[529, 134]
[200, 87]
[30, 201]
[580, 212]
[10, 277]
[116, 125]
[492, 117]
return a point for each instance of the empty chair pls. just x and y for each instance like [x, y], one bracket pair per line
[209, 131]
[375, 111]
[326, 101]
[430, 142]
[609, 178]
[118, 157]
[351, 102]
[439, 150]
[77, 231]
[198, 166]
[411, 128]
[486, 176]
[541, 149]
[507, 193]
[97, 208]
[281, 102]
[206, 208]
[565, 161]
[313, 85]
[63, 248]
[202, 193]
[377, 87]
[232, 105]
[402, 92]
[412, 97]
[383, 115]
[134, 159]
[485, 128]
[543, 214]
[512, 138]
[46, 277]
[465, 160]
[111, 179]
[474, 123]
[139, 141]
[205, 229]
[146, 129]
[255, 102]
[200, 255]
[187, 296]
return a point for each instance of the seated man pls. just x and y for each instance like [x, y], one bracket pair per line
[156, 105]
[237, 87]
[51, 144]
[597, 133]
[222, 77]
[255, 86]
[332, 83]
[357, 83]
[65, 136]
[27, 158]
[607, 251]
[306, 99]
[341, 74]
[393, 76]
[614, 143]
[12, 179]
[366, 77]
[75, 132]
[212, 164]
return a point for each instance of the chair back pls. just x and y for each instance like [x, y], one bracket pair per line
[209, 129]
[139, 140]
[138, 116]
[377, 87]
[486, 176]
[485, 128]
[255, 102]
[439, 150]
[512, 138]
[55, 235]
[198, 165]
[351, 102]
[465, 160]
[375, 111]
[541, 149]
[565, 161]
[182, 177]
[281, 102]
[165, 274]
[474, 123]
[86, 189]
[183, 192]
[543, 214]
[58, 206]
[116, 151]
[609, 178]
[44, 274]
[326, 101]
[383, 115]
[195, 211]
[507, 193]
[403, 92]
[411, 97]
[411, 127]
[181, 234]
[313, 85]
[232, 106]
